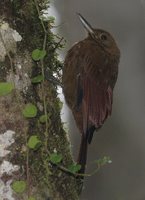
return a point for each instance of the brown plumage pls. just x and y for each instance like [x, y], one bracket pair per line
[89, 75]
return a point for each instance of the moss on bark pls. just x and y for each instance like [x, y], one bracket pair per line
[44, 179]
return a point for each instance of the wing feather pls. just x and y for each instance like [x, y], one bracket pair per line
[96, 104]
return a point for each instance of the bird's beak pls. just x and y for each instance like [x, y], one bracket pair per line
[86, 25]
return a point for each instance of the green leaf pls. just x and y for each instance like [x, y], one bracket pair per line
[31, 198]
[103, 161]
[74, 168]
[37, 79]
[43, 118]
[55, 158]
[6, 88]
[30, 111]
[60, 104]
[51, 19]
[19, 186]
[34, 142]
[38, 54]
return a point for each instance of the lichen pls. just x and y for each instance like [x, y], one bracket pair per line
[8, 40]
[7, 169]
[23, 70]
[6, 191]
[6, 139]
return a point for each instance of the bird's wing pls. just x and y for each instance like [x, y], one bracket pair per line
[96, 104]
[97, 93]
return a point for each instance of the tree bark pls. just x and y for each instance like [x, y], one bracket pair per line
[22, 31]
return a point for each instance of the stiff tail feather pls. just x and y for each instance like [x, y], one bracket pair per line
[82, 158]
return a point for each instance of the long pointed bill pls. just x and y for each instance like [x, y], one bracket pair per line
[86, 25]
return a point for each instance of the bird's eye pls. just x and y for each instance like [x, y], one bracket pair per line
[103, 37]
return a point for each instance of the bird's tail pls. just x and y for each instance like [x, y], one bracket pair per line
[82, 158]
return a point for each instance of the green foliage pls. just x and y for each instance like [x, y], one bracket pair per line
[55, 158]
[19, 186]
[31, 198]
[103, 161]
[38, 54]
[30, 111]
[65, 127]
[43, 119]
[74, 168]
[6, 88]
[60, 104]
[37, 79]
[34, 142]
[51, 19]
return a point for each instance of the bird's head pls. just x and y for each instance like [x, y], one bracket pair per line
[101, 37]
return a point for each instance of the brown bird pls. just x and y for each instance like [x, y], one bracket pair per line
[89, 76]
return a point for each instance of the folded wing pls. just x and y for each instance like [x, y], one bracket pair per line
[96, 104]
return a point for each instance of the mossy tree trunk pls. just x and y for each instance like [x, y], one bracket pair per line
[22, 31]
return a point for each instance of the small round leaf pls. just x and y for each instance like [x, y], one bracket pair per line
[74, 168]
[55, 158]
[37, 79]
[19, 186]
[30, 111]
[34, 142]
[38, 54]
[43, 118]
[6, 88]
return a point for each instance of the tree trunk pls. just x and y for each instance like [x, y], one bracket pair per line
[31, 109]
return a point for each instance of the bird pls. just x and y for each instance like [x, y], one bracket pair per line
[89, 75]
